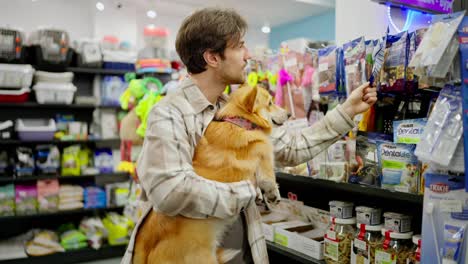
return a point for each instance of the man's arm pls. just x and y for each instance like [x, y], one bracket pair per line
[295, 149]
[291, 150]
[167, 176]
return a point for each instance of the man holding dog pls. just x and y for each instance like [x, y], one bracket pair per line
[210, 43]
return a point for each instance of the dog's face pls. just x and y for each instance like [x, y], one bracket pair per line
[259, 103]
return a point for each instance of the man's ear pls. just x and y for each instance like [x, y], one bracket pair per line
[250, 98]
[211, 58]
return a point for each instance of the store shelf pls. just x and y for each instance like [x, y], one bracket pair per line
[118, 176]
[97, 71]
[33, 105]
[74, 256]
[356, 189]
[292, 254]
[59, 142]
[90, 211]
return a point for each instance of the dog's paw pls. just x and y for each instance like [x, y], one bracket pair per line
[270, 191]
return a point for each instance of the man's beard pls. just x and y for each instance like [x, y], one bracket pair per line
[233, 79]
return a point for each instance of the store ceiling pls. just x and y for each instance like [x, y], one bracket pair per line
[257, 12]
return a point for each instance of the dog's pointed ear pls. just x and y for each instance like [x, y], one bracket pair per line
[250, 98]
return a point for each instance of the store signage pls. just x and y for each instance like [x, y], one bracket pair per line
[433, 6]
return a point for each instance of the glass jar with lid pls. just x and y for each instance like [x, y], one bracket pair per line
[366, 240]
[340, 233]
[395, 248]
[415, 255]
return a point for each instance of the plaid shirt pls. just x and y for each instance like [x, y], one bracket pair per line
[170, 184]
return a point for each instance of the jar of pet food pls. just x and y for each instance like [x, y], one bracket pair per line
[395, 248]
[415, 255]
[340, 209]
[338, 238]
[366, 240]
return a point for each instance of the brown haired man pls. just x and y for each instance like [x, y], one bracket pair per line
[210, 43]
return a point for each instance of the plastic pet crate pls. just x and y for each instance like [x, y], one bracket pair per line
[11, 46]
[51, 48]
[89, 54]
[15, 76]
[53, 77]
[35, 129]
[14, 96]
[54, 93]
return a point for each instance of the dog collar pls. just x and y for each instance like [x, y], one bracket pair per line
[241, 122]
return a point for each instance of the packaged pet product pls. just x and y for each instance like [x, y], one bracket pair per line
[73, 239]
[327, 69]
[445, 220]
[354, 60]
[117, 193]
[118, 228]
[396, 222]
[44, 243]
[340, 209]
[111, 89]
[399, 167]
[415, 256]
[47, 159]
[408, 131]
[340, 73]
[395, 248]
[48, 195]
[70, 197]
[368, 215]
[367, 171]
[103, 160]
[94, 230]
[94, 197]
[365, 242]
[370, 45]
[338, 239]
[25, 162]
[392, 78]
[7, 200]
[443, 130]
[333, 171]
[71, 161]
[26, 199]
[436, 41]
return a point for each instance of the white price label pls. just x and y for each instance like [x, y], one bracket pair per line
[359, 244]
[331, 235]
[451, 206]
[323, 67]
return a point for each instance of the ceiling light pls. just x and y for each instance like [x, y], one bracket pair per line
[151, 14]
[266, 29]
[100, 6]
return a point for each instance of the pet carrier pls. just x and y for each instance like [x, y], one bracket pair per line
[11, 46]
[51, 48]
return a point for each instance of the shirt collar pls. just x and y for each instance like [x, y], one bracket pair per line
[196, 98]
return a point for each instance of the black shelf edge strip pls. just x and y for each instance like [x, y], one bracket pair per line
[58, 142]
[117, 176]
[72, 256]
[60, 213]
[293, 254]
[351, 188]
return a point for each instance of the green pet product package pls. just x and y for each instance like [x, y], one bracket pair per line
[399, 167]
[71, 161]
[7, 200]
[408, 131]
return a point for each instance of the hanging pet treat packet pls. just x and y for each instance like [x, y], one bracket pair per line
[366, 171]
[435, 42]
[408, 131]
[443, 130]
[370, 46]
[399, 167]
[7, 200]
[392, 78]
[354, 60]
[340, 73]
[327, 69]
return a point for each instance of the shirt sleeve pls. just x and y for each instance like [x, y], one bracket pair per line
[294, 149]
[166, 174]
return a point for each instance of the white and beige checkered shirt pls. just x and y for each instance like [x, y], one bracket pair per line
[170, 184]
